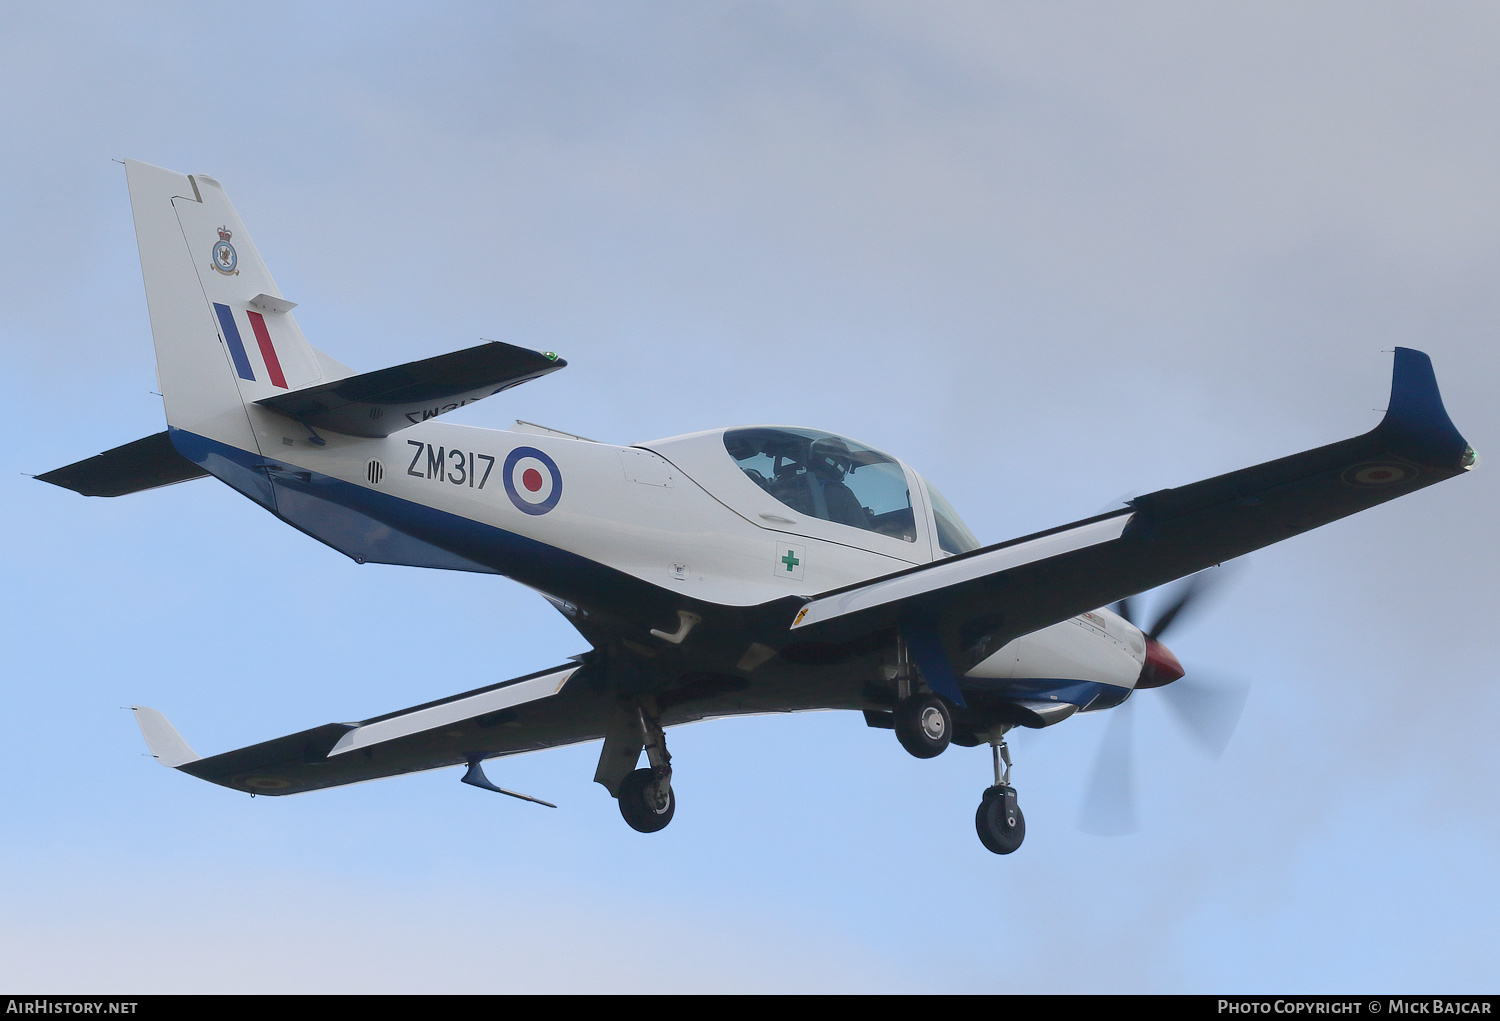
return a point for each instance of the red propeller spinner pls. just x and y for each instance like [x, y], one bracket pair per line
[1161, 666]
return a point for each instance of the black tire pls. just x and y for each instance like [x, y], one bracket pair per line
[924, 725]
[642, 809]
[996, 832]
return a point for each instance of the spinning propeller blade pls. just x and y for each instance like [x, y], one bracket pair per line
[1208, 708]
[1108, 808]
[1189, 594]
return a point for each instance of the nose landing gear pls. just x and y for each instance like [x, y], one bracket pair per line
[999, 821]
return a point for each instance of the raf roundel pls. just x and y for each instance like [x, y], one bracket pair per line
[1379, 473]
[532, 480]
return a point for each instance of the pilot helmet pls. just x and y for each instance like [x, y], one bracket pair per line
[829, 458]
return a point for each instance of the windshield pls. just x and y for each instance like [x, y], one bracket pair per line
[952, 536]
[826, 476]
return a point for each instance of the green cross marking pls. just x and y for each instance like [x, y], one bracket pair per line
[790, 560]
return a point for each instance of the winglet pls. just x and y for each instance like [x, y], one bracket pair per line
[1416, 414]
[165, 744]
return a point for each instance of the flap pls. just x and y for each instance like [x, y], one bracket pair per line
[388, 400]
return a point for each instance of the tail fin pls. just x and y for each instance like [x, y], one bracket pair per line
[224, 335]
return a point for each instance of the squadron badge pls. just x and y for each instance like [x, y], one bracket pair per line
[225, 259]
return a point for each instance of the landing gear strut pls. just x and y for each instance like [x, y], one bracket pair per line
[999, 821]
[645, 796]
[923, 721]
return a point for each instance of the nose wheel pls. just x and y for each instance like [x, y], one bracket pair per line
[999, 821]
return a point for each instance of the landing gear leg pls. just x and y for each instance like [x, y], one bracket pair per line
[645, 796]
[923, 721]
[999, 821]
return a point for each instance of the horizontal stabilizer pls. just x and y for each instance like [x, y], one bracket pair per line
[142, 464]
[388, 400]
[162, 739]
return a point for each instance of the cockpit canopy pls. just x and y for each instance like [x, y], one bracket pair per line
[820, 485]
[826, 476]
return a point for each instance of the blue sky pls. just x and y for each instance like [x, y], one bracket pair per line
[1052, 255]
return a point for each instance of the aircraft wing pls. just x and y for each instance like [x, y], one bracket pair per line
[956, 611]
[540, 710]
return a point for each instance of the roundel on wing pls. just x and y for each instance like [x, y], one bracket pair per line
[1379, 473]
[255, 782]
[532, 480]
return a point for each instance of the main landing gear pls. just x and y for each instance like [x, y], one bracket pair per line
[999, 821]
[645, 796]
[922, 720]
[924, 724]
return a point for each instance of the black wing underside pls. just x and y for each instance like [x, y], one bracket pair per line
[566, 705]
[540, 710]
[969, 605]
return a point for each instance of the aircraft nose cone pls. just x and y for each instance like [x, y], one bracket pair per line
[1161, 666]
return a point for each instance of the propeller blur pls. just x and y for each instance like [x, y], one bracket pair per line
[1206, 705]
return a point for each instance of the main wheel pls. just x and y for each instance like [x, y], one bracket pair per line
[1000, 831]
[924, 726]
[646, 805]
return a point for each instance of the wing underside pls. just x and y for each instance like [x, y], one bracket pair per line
[540, 710]
[973, 603]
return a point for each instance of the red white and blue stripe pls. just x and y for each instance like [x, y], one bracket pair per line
[237, 345]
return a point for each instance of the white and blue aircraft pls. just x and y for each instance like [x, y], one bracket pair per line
[726, 572]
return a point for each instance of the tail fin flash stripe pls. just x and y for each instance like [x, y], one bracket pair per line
[236, 346]
[267, 351]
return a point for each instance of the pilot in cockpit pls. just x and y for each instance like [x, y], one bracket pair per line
[830, 461]
[827, 477]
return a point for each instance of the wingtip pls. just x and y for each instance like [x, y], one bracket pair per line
[162, 739]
